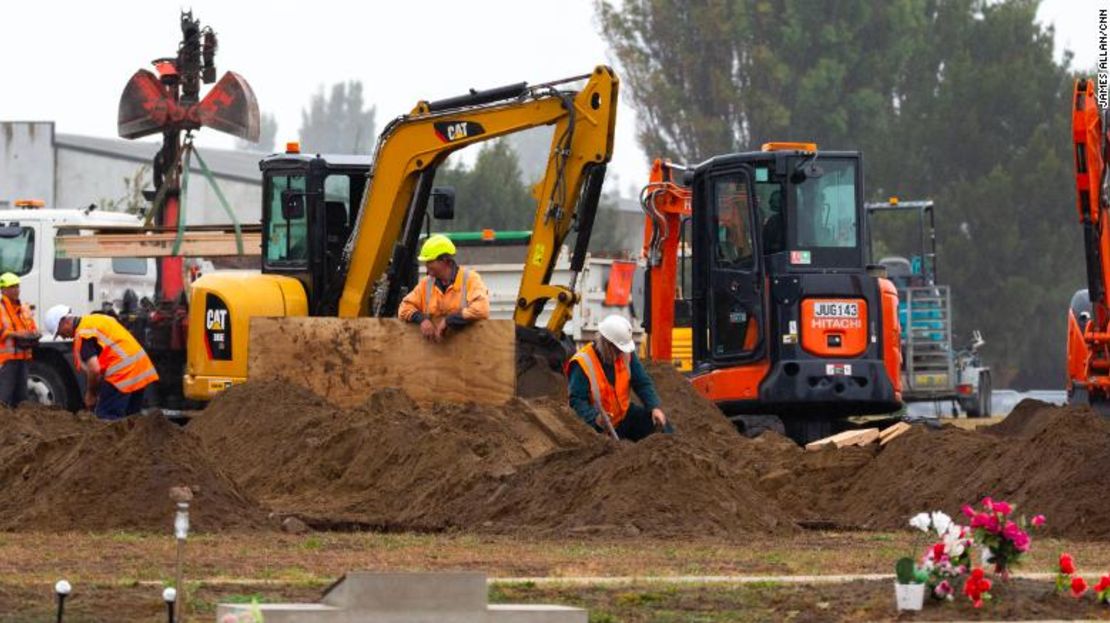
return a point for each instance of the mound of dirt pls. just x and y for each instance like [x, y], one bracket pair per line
[386, 464]
[1049, 460]
[526, 465]
[65, 472]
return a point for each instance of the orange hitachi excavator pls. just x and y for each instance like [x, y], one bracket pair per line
[761, 254]
[1088, 344]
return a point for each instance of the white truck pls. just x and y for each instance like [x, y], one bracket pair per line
[27, 248]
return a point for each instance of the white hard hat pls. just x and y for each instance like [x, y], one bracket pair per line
[54, 317]
[618, 330]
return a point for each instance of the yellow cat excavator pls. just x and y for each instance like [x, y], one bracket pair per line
[340, 233]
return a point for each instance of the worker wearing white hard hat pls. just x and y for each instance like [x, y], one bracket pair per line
[18, 338]
[601, 378]
[117, 369]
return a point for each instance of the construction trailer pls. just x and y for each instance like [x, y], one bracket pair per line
[933, 370]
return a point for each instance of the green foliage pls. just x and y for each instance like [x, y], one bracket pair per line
[905, 571]
[338, 124]
[490, 194]
[959, 101]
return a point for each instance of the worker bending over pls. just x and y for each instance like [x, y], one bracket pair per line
[18, 337]
[601, 377]
[117, 369]
[449, 296]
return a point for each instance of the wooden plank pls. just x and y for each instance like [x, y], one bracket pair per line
[887, 439]
[832, 439]
[345, 360]
[895, 429]
[157, 244]
[858, 437]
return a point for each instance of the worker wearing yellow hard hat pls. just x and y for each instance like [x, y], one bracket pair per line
[18, 338]
[448, 297]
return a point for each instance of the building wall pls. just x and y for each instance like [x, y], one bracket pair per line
[26, 161]
[85, 178]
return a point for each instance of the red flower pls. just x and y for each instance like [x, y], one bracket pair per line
[938, 551]
[1078, 586]
[1038, 520]
[1067, 565]
[967, 510]
[979, 520]
[976, 586]
[1103, 584]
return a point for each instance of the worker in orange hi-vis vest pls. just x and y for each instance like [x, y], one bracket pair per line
[449, 297]
[18, 338]
[601, 377]
[117, 369]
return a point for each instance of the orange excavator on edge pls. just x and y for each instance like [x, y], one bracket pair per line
[1088, 346]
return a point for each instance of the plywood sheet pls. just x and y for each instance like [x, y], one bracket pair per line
[346, 360]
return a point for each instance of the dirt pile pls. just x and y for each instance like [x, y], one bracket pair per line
[1042, 458]
[386, 464]
[527, 465]
[65, 472]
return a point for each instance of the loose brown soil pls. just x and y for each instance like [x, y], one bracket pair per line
[62, 472]
[530, 467]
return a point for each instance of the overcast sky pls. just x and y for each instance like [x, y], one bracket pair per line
[67, 62]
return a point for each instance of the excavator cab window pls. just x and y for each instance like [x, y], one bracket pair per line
[823, 213]
[287, 227]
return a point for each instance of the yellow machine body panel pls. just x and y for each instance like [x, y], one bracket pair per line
[220, 312]
[682, 348]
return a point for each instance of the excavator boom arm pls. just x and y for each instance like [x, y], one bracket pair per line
[413, 146]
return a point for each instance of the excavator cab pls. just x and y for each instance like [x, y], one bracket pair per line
[789, 325]
[309, 204]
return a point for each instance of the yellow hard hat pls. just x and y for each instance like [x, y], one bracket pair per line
[8, 280]
[435, 246]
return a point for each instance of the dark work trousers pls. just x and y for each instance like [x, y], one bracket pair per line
[637, 424]
[13, 382]
[112, 404]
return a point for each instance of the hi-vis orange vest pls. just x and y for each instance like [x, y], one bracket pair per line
[123, 362]
[612, 398]
[14, 318]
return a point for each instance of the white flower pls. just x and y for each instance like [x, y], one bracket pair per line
[985, 556]
[941, 522]
[920, 521]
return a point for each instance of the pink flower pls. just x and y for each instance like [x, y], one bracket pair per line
[967, 510]
[1038, 520]
[1021, 542]
[1011, 531]
[1002, 507]
[942, 590]
[992, 525]
[988, 503]
[979, 520]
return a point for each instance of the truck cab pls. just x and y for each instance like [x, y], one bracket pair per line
[27, 248]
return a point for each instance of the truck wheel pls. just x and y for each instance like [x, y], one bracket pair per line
[985, 394]
[46, 386]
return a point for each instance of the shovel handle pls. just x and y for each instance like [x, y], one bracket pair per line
[608, 423]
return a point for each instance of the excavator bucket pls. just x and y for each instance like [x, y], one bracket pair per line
[231, 107]
[145, 108]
